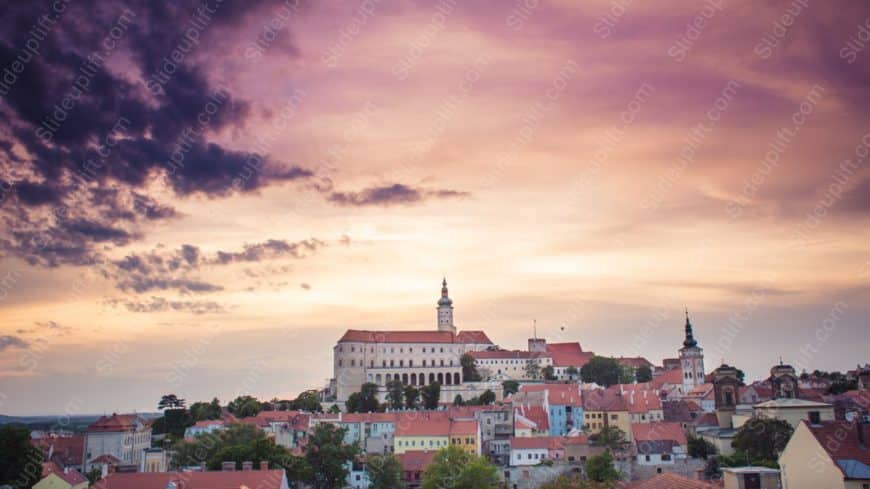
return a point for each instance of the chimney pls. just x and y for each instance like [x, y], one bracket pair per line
[247, 466]
[264, 465]
[228, 466]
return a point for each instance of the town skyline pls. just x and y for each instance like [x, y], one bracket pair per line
[202, 198]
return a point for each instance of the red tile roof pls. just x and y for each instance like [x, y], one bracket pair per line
[429, 423]
[116, 423]
[634, 362]
[604, 400]
[561, 394]
[464, 427]
[369, 417]
[416, 460]
[67, 450]
[840, 440]
[568, 354]
[298, 420]
[464, 337]
[536, 442]
[260, 479]
[535, 414]
[505, 354]
[107, 459]
[663, 431]
[70, 476]
[671, 481]
[672, 377]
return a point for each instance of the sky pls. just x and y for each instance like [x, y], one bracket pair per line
[200, 197]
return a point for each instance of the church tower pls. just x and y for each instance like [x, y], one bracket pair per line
[691, 360]
[445, 310]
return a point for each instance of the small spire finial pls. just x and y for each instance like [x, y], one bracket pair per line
[535, 328]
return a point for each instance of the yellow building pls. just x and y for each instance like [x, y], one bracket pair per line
[54, 477]
[794, 410]
[421, 431]
[466, 435]
[832, 454]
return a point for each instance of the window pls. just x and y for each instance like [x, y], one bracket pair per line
[646, 458]
[339, 363]
[410, 363]
[383, 363]
[666, 457]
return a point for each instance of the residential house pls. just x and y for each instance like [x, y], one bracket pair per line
[466, 435]
[578, 449]
[829, 454]
[568, 359]
[229, 479]
[704, 395]
[373, 431]
[562, 402]
[414, 463]
[606, 408]
[794, 410]
[288, 428]
[65, 451]
[120, 437]
[534, 450]
[55, 477]
[659, 443]
[205, 426]
[429, 430]
[750, 478]
[531, 420]
[643, 402]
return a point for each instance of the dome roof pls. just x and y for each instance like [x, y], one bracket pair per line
[445, 301]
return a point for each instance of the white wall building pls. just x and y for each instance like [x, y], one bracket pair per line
[124, 437]
[691, 360]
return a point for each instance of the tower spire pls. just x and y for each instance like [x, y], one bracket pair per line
[690, 338]
[445, 309]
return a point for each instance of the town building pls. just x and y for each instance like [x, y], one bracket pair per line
[260, 479]
[659, 443]
[414, 357]
[55, 477]
[795, 410]
[119, 438]
[206, 426]
[414, 463]
[829, 454]
[750, 477]
[691, 360]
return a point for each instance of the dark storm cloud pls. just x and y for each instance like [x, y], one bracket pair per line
[86, 128]
[387, 195]
[9, 341]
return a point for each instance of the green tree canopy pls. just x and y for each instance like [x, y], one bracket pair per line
[643, 373]
[469, 369]
[170, 401]
[455, 468]
[457, 401]
[364, 401]
[245, 406]
[510, 387]
[604, 371]
[200, 411]
[328, 456]
[395, 394]
[611, 437]
[699, 447]
[600, 468]
[20, 461]
[431, 394]
[549, 372]
[412, 397]
[762, 438]
[307, 401]
[487, 398]
[533, 370]
[238, 443]
[385, 472]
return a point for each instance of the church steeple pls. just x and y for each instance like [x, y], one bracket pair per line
[445, 310]
[690, 338]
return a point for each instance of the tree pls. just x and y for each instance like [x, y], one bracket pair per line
[170, 401]
[334, 409]
[245, 406]
[510, 387]
[364, 401]
[711, 469]
[533, 370]
[469, 368]
[328, 456]
[611, 437]
[643, 374]
[385, 472]
[575, 482]
[626, 374]
[600, 468]
[431, 395]
[603, 371]
[455, 468]
[700, 448]
[238, 443]
[395, 392]
[487, 398]
[741, 376]
[412, 396]
[549, 373]
[20, 461]
[457, 401]
[762, 439]
[93, 476]
[201, 411]
[307, 401]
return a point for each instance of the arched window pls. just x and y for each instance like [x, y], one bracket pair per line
[431, 377]
[422, 378]
[440, 378]
[404, 378]
[448, 378]
[456, 379]
[413, 379]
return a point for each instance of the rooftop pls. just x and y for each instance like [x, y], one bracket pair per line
[463, 337]
[260, 479]
[840, 440]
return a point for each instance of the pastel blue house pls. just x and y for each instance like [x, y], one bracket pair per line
[563, 418]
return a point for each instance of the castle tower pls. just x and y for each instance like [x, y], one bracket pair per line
[726, 385]
[783, 381]
[691, 360]
[445, 310]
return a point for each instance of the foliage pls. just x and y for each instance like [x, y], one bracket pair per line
[455, 468]
[237, 443]
[334, 409]
[364, 401]
[431, 394]
[549, 373]
[94, 475]
[711, 468]
[170, 401]
[457, 401]
[575, 482]
[762, 438]
[201, 411]
[742, 459]
[626, 374]
[20, 461]
[395, 393]
[533, 370]
[245, 406]
[741, 376]
[643, 374]
[700, 448]
[176, 421]
[510, 387]
[600, 468]
[469, 369]
[307, 401]
[487, 398]
[604, 371]
[611, 437]
[327, 457]
[572, 372]
[412, 396]
[385, 472]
